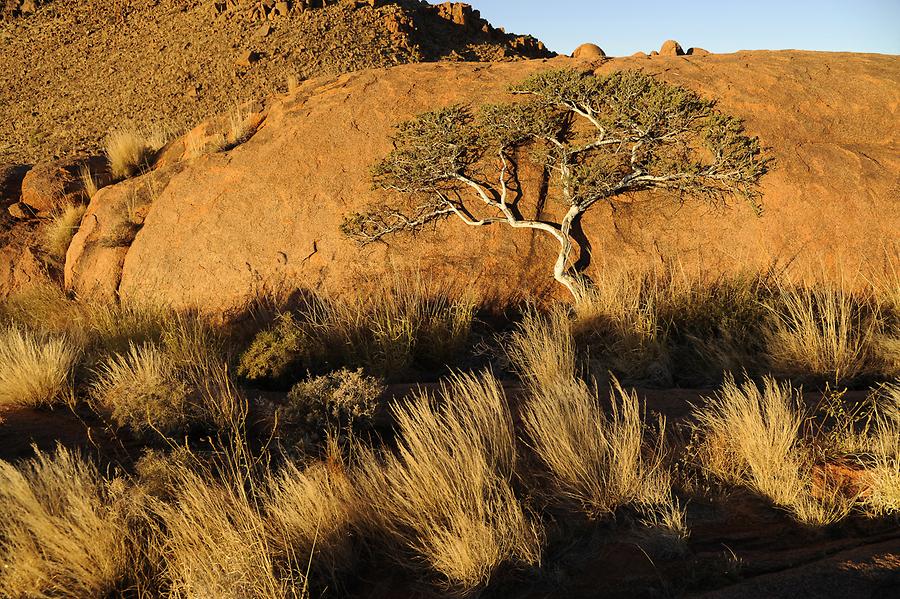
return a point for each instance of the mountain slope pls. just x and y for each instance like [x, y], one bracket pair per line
[73, 69]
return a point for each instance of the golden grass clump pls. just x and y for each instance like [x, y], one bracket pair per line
[821, 331]
[214, 542]
[60, 534]
[882, 455]
[88, 182]
[35, 369]
[130, 150]
[240, 126]
[310, 513]
[621, 312]
[59, 232]
[751, 436]
[543, 351]
[446, 497]
[100, 328]
[168, 386]
[597, 462]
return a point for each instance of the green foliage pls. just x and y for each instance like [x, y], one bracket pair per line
[341, 403]
[274, 352]
[429, 150]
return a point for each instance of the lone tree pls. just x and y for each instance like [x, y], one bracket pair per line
[597, 138]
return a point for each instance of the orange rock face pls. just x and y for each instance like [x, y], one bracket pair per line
[671, 48]
[52, 185]
[216, 231]
[588, 52]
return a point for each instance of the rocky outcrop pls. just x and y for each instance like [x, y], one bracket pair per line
[589, 52]
[49, 186]
[698, 52]
[224, 228]
[671, 48]
[11, 177]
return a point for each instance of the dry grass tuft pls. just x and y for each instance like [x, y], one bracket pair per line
[821, 331]
[543, 350]
[130, 151]
[292, 81]
[752, 436]
[622, 314]
[60, 535]
[446, 496]
[214, 542]
[310, 513]
[61, 229]
[597, 462]
[882, 455]
[35, 369]
[171, 385]
[240, 126]
[88, 181]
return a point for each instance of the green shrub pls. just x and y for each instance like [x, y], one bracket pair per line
[275, 352]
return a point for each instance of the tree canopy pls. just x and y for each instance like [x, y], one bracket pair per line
[597, 138]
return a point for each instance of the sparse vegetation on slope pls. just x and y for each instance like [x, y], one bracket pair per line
[129, 74]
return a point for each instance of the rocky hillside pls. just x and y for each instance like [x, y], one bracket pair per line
[218, 229]
[72, 69]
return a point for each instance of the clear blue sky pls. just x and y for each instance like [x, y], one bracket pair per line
[622, 27]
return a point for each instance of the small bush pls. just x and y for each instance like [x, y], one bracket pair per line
[60, 533]
[60, 230]
[445, 497]
[131, 151]
[344, 402]
[276, 352]
[35, 369]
